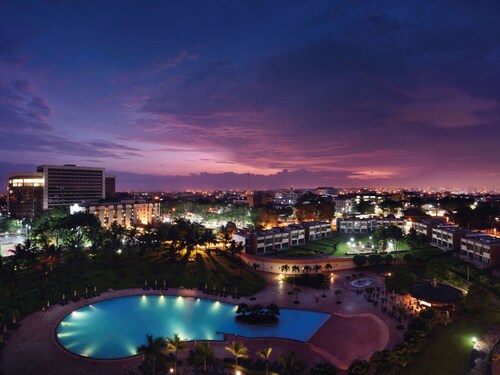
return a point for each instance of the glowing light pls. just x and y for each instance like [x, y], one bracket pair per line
[66, 334]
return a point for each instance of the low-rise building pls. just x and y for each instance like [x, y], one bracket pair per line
[425, 227]
[448, 237]
[480, 248]
[125, 213]
[286, 197]
[367, 225]
[315, 230]
[280, 238]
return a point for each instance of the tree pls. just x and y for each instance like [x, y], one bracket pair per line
[152, 350]
[375, 259]
[295, 268]
[402, 278]
[238, 350]
[205, 351]
[175, 345]
[265, 354]
[317, 268]
[226, 232]
[477, 297]
[359, 367]
[285, 268]
[324, 369]
[291, 365]
[364, 207]
[359, 260]
[338, 294]
[307, 268]
[297, 290]
[328, 267]
[264, 217]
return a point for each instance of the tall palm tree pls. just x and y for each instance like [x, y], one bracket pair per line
[317, 268]
[238, 350]
[265, 354]
[291, 365]
[307, 268]
[152, 350]
[328, 267]
[338, 293]
[175, 345]
[295, 268]
[205, 350]
[297, 290]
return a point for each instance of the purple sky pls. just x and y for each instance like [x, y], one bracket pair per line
[335, 93]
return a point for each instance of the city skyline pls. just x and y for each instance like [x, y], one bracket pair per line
[199, 95]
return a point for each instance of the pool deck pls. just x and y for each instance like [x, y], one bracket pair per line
[355, 330]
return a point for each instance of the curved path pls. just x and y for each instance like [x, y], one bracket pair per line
[355, 330]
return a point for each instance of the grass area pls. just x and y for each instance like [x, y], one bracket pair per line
[335, 245]
[33, 289]
[448, 350]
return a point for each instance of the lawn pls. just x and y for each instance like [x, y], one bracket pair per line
[335, 245]
[33, 290]
[447, 351]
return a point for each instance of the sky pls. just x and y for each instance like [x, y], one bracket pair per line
[260, 94]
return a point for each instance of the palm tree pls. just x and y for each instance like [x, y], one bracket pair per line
[205, 350]
[307, 268]
[238, 350]
[296, 290]
[152, 350]
[317, 268]
[291, 365]
[265, 354]
[338, 293]
[295, 268]
[359, 367]
[328, 267]
[285, 268]
[175, 345]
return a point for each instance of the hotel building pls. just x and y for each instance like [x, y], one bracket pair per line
[65, 185]
[25, 194]
[126, 213]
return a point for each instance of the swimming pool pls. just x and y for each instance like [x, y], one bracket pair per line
[115, 328]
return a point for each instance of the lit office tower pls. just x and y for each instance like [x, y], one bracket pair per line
[25, 194]
[68, 184]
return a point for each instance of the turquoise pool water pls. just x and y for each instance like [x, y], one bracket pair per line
[115, 328]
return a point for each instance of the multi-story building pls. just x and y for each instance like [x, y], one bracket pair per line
[481, 249]
[315, 230]
[326, 191]
[258, 198]
[343, 206]
[65, 185]
[25, 194]
[387, 222]
[367, 225]
[448, 237]
[286, 198]
[126, 213]
[276, 239]
[425, 227]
